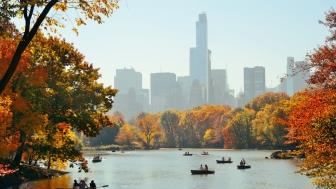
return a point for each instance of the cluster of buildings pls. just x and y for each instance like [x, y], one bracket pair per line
[203, 85]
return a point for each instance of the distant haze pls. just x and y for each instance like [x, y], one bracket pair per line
[156, 35]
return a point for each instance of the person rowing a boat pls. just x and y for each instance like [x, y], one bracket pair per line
[242, 162]
[93, 185]
[82, 185]
[75, 185]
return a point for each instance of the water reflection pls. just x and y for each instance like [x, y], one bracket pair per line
[59, 182]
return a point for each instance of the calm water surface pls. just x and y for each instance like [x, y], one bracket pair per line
[168, 169]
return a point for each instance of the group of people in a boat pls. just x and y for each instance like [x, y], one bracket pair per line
[83, 185]
[242, 162]
[187, 153]
[229, 159]
[204, 168]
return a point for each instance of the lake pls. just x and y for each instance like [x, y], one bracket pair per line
[168, 169]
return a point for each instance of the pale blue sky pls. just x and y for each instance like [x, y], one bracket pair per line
[155, 35]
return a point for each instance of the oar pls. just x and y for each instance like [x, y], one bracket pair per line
[104, 186]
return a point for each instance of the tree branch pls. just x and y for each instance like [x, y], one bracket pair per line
[25, 40]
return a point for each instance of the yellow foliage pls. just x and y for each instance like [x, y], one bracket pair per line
[209, 135]
[8, 143]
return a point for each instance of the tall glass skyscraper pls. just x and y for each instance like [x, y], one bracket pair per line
[200, 58]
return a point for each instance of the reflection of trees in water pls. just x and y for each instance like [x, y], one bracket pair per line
[58, 182]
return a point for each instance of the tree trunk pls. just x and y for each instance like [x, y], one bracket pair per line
[19, 151]
[49, 163]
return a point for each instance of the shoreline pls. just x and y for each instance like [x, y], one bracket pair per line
[28, 173]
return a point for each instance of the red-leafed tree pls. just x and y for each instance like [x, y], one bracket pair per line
[312, 125]
[312, 120]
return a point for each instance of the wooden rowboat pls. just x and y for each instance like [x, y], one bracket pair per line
[224, 161]
[243, 166]
[202, 172]
[187, 154]
[97, 159]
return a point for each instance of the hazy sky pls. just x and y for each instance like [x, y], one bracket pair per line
[155, 35]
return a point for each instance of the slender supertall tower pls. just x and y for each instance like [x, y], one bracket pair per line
[200, 59]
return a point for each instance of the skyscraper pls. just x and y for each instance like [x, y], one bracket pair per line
[126, 79]
[131, 99]
[290, 73]
[200, 58]
[301, 76]
[185, 83]
[165, 92]
[297, 75]
[218, 86]
[254, 82]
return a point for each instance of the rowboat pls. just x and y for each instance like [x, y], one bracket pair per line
[243, 166]
[202, 172]
[187, 154]
[224, 161]
[97, 159]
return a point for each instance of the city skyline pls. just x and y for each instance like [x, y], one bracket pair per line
[202, 85]
[130, 38]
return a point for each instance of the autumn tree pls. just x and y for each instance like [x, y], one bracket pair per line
[269, 127]
[35, 15]
[259, 102]
[169, 121]
[322, 60]
[187, 131]
[8, 143]
[312, 125]
[312, 118]
[238, 132]
[194, 124]
[25, 118]
[56, 145]
[107, 135]
[63, 90]
[149, 129]
[127, 136]
[209, 136]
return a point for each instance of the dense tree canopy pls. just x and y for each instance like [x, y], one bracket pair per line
[53, 95]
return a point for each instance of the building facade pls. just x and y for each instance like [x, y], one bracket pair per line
[254, 82]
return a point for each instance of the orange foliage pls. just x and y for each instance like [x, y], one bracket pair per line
[323, 60]
[8, 143]
[229, 138]
[312, 124]
[127, 135]
[312, 106]
[7, 49]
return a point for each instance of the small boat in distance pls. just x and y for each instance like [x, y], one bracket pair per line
[205, 153]
[187, 154]
[97, 158]
[202, 172]
[223, 160]
[243, 166]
